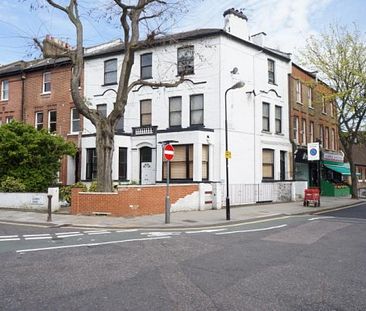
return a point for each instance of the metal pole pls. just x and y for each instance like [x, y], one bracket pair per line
[49, 217]
[167, 198]
[227, 161]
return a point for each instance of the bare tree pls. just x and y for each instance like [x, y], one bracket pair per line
[340, 56]
[132, 15]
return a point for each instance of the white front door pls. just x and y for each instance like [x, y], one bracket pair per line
[147, 173]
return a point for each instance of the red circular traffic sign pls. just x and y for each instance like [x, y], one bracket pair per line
[169, 152]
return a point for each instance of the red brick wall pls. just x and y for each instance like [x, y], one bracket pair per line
[12, 106]
[59, 99]
[128, 201]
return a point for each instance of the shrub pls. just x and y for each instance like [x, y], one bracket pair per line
[11, 184]
[93, 187]
[65, 191]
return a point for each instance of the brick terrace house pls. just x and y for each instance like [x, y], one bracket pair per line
[313, 117]
[38, 93]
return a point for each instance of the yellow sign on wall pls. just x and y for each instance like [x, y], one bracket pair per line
[228, 154]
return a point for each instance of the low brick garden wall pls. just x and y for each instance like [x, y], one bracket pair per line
[128, 200]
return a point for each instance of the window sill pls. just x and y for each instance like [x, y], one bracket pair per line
[4, 100]
[300, 103]
[109, 84]
[280, 134]
[146, 78]
[185, 74]
[272, 83]
[73, 134]
[266, 132]
[324, 113]
[311, 108]
[45, 93]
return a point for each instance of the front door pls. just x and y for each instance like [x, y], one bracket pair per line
[147, 170]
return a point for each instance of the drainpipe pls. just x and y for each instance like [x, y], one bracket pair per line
[22, 116]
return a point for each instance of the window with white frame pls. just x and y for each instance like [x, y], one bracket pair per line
[5, 90]
[296, 129]
[39, 120]
[146, 66]
[311, 132]
[324, 107]
[310, 97]
[175, 111]
[271, 71]
[326, 139]
[145, 112]
[46, 82]
[181, 167]
[196, 107]
[267, 164]
[52, 121]
[298, 91]
[333, 139]
[331, 109]
[185, 59]
[110, 71]
[278, 119]
[8, 119]
[303, 132]
[102, 109]
[321, 133]
[75, 121]
[265, 117]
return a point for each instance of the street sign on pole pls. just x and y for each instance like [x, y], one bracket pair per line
[169, 152]
[313, 152]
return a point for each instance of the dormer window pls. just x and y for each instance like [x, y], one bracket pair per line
[186, 60]
[110, 71]
[271, 71]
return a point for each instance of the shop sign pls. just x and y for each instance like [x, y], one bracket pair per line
[313, 152]
[334, 157]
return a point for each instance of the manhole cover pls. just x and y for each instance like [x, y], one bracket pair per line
[188, 220]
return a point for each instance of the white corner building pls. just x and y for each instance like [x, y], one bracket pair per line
[193, 114]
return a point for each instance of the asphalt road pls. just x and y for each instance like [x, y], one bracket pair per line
[290, 263]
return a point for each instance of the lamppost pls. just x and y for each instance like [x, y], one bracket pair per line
[237, 85]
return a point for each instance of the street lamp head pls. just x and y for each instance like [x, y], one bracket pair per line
[238, 85]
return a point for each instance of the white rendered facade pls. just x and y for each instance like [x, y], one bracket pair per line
[215, 55]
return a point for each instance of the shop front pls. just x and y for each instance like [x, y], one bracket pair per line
[334, 175]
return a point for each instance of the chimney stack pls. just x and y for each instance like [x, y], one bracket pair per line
[236, 23]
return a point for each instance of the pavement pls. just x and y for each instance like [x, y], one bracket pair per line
[190, 219]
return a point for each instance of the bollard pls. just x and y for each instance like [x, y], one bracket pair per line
[49, 218]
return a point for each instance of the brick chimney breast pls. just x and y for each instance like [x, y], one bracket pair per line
[236, 23]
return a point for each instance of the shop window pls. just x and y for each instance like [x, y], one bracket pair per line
[268, 164]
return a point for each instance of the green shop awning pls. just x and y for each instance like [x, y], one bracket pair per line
[342, 168]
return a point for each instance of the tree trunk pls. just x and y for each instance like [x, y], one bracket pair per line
[354, 189]
[104, 148]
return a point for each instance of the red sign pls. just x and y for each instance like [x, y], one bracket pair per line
[169, 152]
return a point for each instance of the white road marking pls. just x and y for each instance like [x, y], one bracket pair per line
[8, 236]
[252, 230]
[38, 238]
[127, 230]
[318, 218]
[10, 239]
[159, 234]
[62, 233]
[69, 235]
[87, 244]
[100, 232]
[205, 231]
[30, 235]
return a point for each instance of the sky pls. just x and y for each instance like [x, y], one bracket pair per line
[287, 23]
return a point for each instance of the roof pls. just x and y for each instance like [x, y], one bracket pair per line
[117, 48]
[23, 66]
